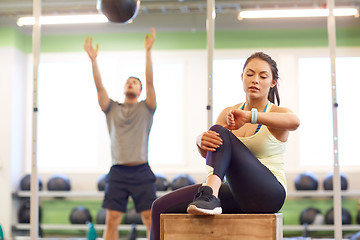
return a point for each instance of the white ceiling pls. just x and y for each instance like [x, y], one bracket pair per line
[174, 15]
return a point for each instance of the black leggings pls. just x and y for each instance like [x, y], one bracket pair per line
[250, 188]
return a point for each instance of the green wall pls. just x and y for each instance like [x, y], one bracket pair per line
[279, 38]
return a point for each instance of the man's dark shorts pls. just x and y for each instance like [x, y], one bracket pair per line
[124, 181]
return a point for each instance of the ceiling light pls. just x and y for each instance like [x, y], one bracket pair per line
[63, 19]
[293, 13]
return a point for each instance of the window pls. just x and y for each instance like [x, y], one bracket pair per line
[316, 130]
[227, 84]
[72, 132]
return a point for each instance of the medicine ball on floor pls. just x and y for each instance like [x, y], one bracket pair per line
[345, 214]
[162, 184]
[80, 215]
[101, 182]
[26, 182]
[306, 181]
[119, 11]
[328, 182]
[59, 183]
[182, 180]
[311, 216]
[101, 216]
[24, 212]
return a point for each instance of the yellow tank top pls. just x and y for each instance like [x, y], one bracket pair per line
[269, 150]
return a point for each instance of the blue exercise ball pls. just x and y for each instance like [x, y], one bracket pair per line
[119, 11]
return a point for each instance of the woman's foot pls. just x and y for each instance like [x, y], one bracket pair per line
[205, 203]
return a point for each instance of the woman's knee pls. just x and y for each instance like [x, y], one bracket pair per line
[218, 128]
[156, 205]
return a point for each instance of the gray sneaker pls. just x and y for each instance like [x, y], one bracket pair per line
[205, 203]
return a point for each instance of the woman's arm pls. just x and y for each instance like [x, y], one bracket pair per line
[279, 118]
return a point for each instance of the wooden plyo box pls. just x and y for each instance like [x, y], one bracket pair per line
[221, 227]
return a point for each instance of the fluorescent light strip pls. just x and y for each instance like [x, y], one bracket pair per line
[294, 13]
[64, 19]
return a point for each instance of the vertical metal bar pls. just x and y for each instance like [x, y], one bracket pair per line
[34, 194]
[336, 177]
[210, 25]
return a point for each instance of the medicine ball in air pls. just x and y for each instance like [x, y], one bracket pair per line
[119, 11]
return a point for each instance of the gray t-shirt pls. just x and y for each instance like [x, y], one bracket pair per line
[129, 127]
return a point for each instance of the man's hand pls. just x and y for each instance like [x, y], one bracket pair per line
[149, 40]
[89, 48]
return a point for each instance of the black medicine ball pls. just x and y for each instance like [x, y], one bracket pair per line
[119, 11]
[182, 180]
[80, 215]
[101, 182]
[26, 181]
[306, 181]
[59, 183]
[311, 216]
[345, 214]
[328, 182]
[24, 212]
[162, 184]
[101, 216]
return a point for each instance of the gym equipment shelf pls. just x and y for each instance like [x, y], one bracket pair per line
[322, 193]
[77, 226]
[353, 227]
[70, 194]
[100, 194]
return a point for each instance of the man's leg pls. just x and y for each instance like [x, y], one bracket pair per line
[113, 219]
[146, 219]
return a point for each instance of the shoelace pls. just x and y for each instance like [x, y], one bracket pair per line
[201, 196]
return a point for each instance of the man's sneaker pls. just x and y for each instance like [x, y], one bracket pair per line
[205, 203]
